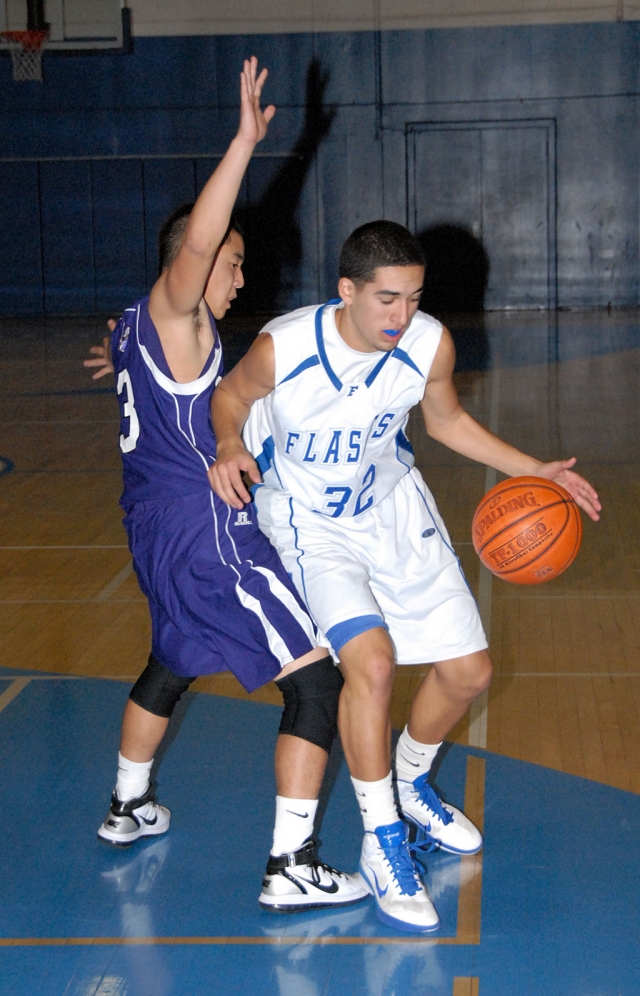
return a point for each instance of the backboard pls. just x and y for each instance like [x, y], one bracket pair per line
[73, 24]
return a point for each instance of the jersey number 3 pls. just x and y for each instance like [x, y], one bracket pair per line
[128, 443]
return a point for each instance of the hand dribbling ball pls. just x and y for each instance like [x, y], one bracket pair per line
[527, 530]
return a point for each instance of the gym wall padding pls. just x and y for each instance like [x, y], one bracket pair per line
[78, 232]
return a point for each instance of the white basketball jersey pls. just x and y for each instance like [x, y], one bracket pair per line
[331, 434]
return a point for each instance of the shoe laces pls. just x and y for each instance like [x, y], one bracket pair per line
[428, 797]
[316, 866]
[399, 859]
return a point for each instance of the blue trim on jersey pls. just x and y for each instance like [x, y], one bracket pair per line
[311, 361]
[376, 370]
[342, 632]
[402, 443]
[337, 383]
[448, 545]
[265, 459]
[405, 358]
[301, 554]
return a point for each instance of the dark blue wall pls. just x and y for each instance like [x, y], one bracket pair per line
[78, 235]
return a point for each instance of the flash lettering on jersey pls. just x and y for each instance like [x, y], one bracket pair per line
[355, 449]
[353, 389]
[333, 450]
[309, 456]
[292, 438]
[383, 425]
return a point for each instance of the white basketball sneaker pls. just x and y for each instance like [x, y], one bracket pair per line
[434, 823]
[391, 875]
[300, 881]
[127, 821]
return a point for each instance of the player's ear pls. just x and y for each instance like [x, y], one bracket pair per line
[346, 289]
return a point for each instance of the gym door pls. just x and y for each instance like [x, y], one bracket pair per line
[496, 179]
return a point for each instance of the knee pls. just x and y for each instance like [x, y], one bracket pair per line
[374, 678]
[158, 689]
[311, 695]
[478, 675]
[471, 676]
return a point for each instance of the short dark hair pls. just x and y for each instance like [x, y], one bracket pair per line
[378, 243]
[172, 233]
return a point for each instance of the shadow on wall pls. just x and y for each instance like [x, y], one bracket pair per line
[457, 272]
[274, 241]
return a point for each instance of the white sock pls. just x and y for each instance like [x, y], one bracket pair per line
[412, 758]
[294, 823]
[376, 802]
[133, 778]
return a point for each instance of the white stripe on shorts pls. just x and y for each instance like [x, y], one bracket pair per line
[277, 646]
[288, 600]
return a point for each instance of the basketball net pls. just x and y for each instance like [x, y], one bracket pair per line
[26, 53]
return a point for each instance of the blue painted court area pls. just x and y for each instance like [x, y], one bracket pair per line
[560, 876]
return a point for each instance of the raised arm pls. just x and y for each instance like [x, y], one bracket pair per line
[448, 422]
[179, 290]
[252, 378]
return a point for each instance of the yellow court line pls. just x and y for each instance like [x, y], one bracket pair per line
[14, 689]
[469, 903]
[466, 986]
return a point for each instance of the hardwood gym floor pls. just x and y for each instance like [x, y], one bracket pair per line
[567, 688]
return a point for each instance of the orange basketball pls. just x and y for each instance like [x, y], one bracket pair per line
[527, 530]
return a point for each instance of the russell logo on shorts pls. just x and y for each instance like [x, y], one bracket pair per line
[242, 519]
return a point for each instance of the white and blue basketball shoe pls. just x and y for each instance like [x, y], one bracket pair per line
[433, 823]
[388, 869]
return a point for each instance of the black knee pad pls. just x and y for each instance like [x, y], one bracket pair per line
[158, 689]
[311, 697]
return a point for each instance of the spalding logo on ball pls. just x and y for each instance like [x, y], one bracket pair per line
[527, 530]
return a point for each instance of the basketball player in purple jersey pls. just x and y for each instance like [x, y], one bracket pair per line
[219, 596]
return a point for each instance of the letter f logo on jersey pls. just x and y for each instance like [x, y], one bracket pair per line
[242, 519]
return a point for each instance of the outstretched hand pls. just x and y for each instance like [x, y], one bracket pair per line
[253, 121]
[225, 476]
[580, 490]
[102, 356]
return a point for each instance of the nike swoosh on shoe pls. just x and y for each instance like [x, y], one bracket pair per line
[330, 889]
[380, 892]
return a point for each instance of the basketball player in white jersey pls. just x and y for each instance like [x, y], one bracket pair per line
[218, 594]
[323, 397]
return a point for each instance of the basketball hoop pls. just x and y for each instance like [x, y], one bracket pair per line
[26, 53]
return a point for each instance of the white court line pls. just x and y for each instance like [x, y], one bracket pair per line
[479, 710]
[14, 689]
[114, 584]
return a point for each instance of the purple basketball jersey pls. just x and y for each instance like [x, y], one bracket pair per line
[218, 594]
[163, 423]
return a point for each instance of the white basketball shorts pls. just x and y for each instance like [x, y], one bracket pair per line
[390, 566]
